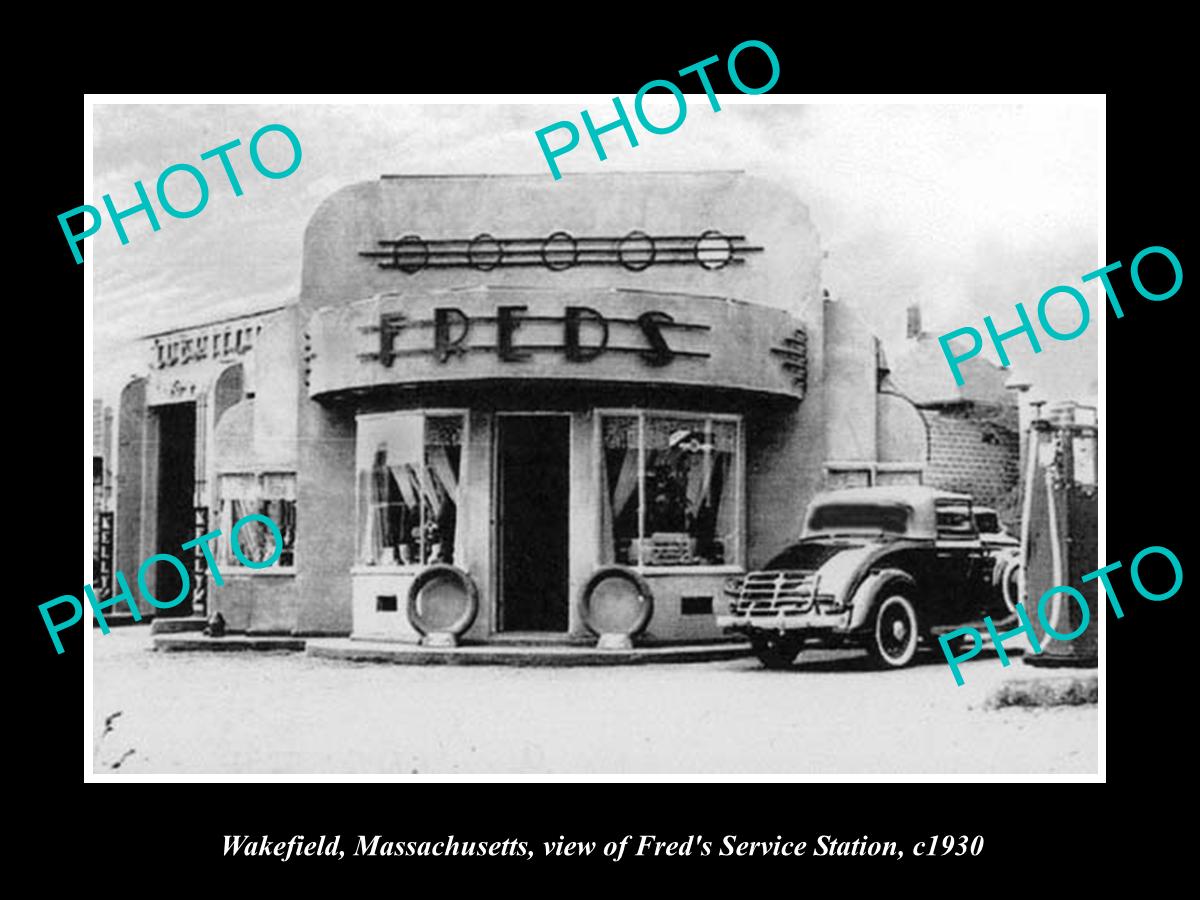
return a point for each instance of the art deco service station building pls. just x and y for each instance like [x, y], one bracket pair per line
[510, 408]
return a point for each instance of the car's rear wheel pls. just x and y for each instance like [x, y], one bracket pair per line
[778, 651]
[895, 632]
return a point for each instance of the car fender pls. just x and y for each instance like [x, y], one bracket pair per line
[845, 569]
[866, 598]
[1004, 562]
[842, 574]
[1010, 591]
[1004, 558]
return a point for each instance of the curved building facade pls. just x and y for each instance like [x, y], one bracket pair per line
[530, 381]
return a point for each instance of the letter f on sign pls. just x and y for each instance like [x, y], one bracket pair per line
[551, 154]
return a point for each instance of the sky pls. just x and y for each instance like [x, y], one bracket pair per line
[962, 209]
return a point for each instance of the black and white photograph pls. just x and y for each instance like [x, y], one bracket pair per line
[683, 435]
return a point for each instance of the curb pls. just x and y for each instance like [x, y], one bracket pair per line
[497, 655]
[121, 620]
[191, 641]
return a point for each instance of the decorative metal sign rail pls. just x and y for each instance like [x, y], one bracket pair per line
[794, 358]
[635, 251]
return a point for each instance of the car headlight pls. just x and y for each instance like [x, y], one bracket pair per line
[733, 585]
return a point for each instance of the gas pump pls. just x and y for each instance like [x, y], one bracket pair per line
[1059, 530]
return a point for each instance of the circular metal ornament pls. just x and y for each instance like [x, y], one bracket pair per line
[713, 250]
[484, 252]
[636, 251]
[553, 257]
[411, 262]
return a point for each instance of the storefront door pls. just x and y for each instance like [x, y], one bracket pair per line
[533, 516]
[176, 513]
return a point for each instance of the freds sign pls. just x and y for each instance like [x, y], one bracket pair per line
[580, 334]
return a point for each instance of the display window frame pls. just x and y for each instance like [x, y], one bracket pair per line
[414, 568]
[226, 560]
[739, 470]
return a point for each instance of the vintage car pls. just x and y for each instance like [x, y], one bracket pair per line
[1006, 550]
[881, 567]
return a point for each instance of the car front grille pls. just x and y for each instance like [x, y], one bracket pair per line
[770, 593]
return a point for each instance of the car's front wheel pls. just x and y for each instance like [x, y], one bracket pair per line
[778, 651]
[895, 632]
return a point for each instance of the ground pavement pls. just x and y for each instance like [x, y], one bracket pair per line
[285, 712]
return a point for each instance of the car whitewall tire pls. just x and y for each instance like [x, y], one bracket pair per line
[895, 633]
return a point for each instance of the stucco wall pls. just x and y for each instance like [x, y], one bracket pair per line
[712, 340]
[325, 519]
[785, 437]
[901, 432]
[850, 385]
[131, 545]
[256, 435]
[785, 457]
[355, 218]
[782, 467]
[275, 365]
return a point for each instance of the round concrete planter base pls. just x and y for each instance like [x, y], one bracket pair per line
[614, 642]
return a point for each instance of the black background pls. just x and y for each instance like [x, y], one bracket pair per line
[1038, 836]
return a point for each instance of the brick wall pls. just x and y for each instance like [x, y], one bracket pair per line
[975, 450]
